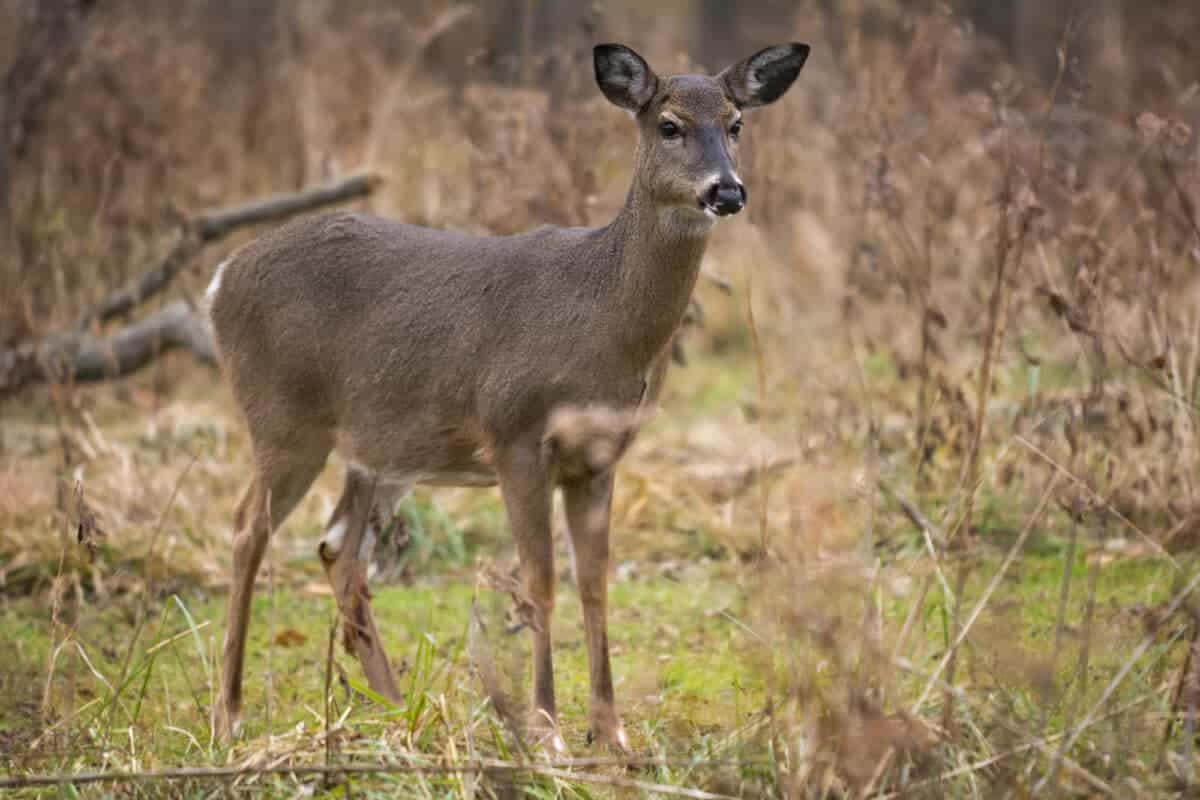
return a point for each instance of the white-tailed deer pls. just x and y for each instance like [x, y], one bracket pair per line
[426, 356]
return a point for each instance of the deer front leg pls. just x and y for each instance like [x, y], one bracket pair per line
[344, 551]
[527, 487]
[588, 503]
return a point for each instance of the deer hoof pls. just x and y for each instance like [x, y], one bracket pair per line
[544, 733]
[229, 727]
[610, 737]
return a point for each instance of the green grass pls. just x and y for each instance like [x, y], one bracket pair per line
[678, 671]
[703, 644]
[681, 660]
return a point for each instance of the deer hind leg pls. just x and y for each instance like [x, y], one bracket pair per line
[278, 490]
[587, 504]
[527, 487]
[345, 550]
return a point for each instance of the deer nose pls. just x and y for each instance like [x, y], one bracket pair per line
[724, 196]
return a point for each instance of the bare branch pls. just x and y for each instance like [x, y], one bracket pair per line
[151, 283]
[214, 225]
[79, 356]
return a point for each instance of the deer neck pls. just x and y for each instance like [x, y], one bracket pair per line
[657, 259]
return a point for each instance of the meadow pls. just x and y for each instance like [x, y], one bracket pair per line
[916, 516]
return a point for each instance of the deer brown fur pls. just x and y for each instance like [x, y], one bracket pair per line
[428, 356]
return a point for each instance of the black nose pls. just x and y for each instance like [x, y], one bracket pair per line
[725, 197]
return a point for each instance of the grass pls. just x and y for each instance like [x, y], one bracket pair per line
[679, 654]
[699, 653]
[673, 669]
[925, 624]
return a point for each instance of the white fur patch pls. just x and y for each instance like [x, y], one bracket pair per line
[367, 546]
[331, 542]
[715, 178]
[215, 285]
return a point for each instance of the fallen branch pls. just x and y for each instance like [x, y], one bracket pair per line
[177, 325]
[78, 356]
[82, 358]
[215, 225]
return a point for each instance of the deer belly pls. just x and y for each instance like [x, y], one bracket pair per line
[434, 461]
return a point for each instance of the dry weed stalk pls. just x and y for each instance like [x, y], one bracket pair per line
[891, 163]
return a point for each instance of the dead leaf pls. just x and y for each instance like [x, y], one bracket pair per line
[87, 529]
[290, 637]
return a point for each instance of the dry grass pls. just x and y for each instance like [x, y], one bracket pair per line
[925, 528]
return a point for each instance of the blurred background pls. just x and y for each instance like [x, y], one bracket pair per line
[960, 315]
[121, 115]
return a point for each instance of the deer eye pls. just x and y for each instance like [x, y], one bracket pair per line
[669, 130]
[736, 129]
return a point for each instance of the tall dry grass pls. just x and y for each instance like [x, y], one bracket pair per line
[1015, 243]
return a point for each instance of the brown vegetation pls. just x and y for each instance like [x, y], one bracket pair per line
[966, 293]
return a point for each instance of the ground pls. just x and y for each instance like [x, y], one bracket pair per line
[716, 656]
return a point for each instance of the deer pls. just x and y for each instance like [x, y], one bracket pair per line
[432, 357]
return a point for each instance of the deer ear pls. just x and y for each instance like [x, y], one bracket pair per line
[765, 76]
[624, 76]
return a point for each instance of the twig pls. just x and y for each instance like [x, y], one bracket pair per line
[930, 533]
[1177, 695]
[1191, 687]
[923, 523]
[172, 639]
[987, 595]
[967, 700]
[630, 783]
[480, 656]
[910, 620]
[1064, 595]
[1033, 744]
[333, 628]
[52, 651]
[761, 365]
[1081, 671]
[148, 590]
[1010, 251]
[557, 768]
[1096, 498]
[1119, 678]
[872, 451]
[271, 614]
[951, 660]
